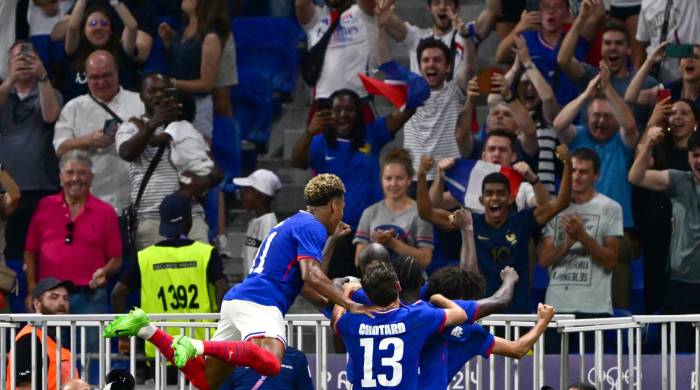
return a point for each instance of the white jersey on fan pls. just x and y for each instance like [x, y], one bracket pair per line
[350, 50]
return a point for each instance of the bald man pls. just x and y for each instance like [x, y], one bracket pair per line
[76, 384]
[86, 124]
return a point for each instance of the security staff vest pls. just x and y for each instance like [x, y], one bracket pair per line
[174, 280]
[51, 375]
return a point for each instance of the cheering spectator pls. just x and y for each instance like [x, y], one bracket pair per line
[687, 87]
[611, 131]
[133, 144]
[627, 12]
[447, 28]
[431, 130]
[350, 50]
[653, 216]
[82, 125]
[28, 108]
[674, 21]
[615, 51]
[544, 31]
[74, 236]
[581, 245]
[394, 222]
[337, 141]
[537, 97]
[684, 254]
[499, 148]
[195, 53]
[501, 237]
[90, 30]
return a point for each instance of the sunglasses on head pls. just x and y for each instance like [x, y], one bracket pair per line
[70, 226]
[102, 22]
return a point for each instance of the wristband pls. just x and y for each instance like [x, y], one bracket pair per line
[537, 180]
[43, 78]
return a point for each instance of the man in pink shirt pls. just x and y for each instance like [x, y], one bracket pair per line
[73, 236]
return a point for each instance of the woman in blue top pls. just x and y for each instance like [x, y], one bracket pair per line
[338, 142]
[195, 53]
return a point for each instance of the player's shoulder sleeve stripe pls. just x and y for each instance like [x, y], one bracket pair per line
[444, 320]
[489, 351]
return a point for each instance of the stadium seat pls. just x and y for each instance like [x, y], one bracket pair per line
[226, 148]
[254, 105]
[274, 55]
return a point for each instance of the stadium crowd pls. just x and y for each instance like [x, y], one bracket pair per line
[588, 158]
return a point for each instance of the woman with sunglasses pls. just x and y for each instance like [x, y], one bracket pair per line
[195, 53]
[91, 29]
[672, 123]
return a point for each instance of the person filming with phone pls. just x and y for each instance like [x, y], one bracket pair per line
[29, 106]
[89, 123]
[687, 86]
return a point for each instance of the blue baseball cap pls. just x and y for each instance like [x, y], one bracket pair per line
[175, 215]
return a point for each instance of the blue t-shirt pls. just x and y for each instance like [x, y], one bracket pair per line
[614, 165]
[507, 245]
[275, 278]
[358, 170]
[384, 350]
[294, 375]
[545, 58]
[463, 343]
[434, 356]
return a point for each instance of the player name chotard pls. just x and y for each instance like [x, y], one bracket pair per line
[381, 330]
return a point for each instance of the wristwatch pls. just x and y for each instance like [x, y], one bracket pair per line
[114, 3]
[43, 78]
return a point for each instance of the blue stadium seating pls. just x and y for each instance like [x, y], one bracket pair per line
[267, 64]
[226, 148]
[158, 60]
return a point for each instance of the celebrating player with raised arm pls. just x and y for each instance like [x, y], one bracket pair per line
[384, 350]
[254, 310]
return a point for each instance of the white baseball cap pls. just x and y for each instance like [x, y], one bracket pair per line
[262, 180]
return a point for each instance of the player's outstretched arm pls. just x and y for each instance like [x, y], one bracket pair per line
[312, 274]
[454, 315]
[500, 300]
[519, 348]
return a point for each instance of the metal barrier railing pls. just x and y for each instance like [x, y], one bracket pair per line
[302, 327]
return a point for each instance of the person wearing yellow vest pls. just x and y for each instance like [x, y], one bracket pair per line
[50, 296]
[176, 275]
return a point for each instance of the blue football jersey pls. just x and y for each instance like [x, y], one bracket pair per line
[275, 277]
[384, 350]
[434, 356]
[463, 343]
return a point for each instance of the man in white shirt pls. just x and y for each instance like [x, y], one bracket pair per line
[581, 245]
[81, 126]
[351, 49]
[443, 13]
[259, 190]
[681, 26]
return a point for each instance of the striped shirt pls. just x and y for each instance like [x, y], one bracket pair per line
[163, 182]
[431, 130]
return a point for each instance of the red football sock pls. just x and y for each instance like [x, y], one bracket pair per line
[243, 353]
[193, 370]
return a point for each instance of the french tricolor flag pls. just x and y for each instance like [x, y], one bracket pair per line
[401, 87]
[465, 177]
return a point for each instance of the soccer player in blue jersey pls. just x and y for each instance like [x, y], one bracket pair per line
[468, 340]
[254, 310]
[384, 350]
